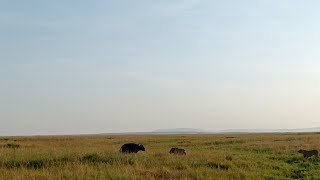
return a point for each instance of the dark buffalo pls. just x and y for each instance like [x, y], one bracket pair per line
[131, 148]
[178, 151]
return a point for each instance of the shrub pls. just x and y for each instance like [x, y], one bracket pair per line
[12, 146]
[91, 158]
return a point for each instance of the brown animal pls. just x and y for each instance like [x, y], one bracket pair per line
[307, 154]
[178, 151]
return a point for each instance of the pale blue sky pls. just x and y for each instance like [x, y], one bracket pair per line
[74, 66]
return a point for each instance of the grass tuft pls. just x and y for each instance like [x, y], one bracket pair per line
[10, 145]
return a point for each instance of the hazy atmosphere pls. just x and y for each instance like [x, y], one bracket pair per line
[77, 67]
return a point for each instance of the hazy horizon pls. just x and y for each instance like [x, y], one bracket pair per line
[71, 67]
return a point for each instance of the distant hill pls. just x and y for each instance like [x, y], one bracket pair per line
[197, 131]
[228, 131]
[316, 129]
[179, 131]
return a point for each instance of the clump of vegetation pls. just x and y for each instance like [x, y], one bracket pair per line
[229, 158]
[29, 163]
[91, 158]
[219, 166]
[36, 163]
[10, 145]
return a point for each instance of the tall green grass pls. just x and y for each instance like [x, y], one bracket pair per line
[254, 156]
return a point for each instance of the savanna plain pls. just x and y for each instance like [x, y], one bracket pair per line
[229, 156]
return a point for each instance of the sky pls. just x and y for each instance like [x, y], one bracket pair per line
[78, 67]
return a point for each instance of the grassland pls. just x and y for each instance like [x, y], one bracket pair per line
[252, 156]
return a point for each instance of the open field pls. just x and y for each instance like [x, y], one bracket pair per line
[244, 156]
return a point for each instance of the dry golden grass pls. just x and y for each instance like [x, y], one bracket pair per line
[242, 156]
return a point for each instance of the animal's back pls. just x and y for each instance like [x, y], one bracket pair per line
[129, 147]
[310, 153]
[316, 153]
[178, 151]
